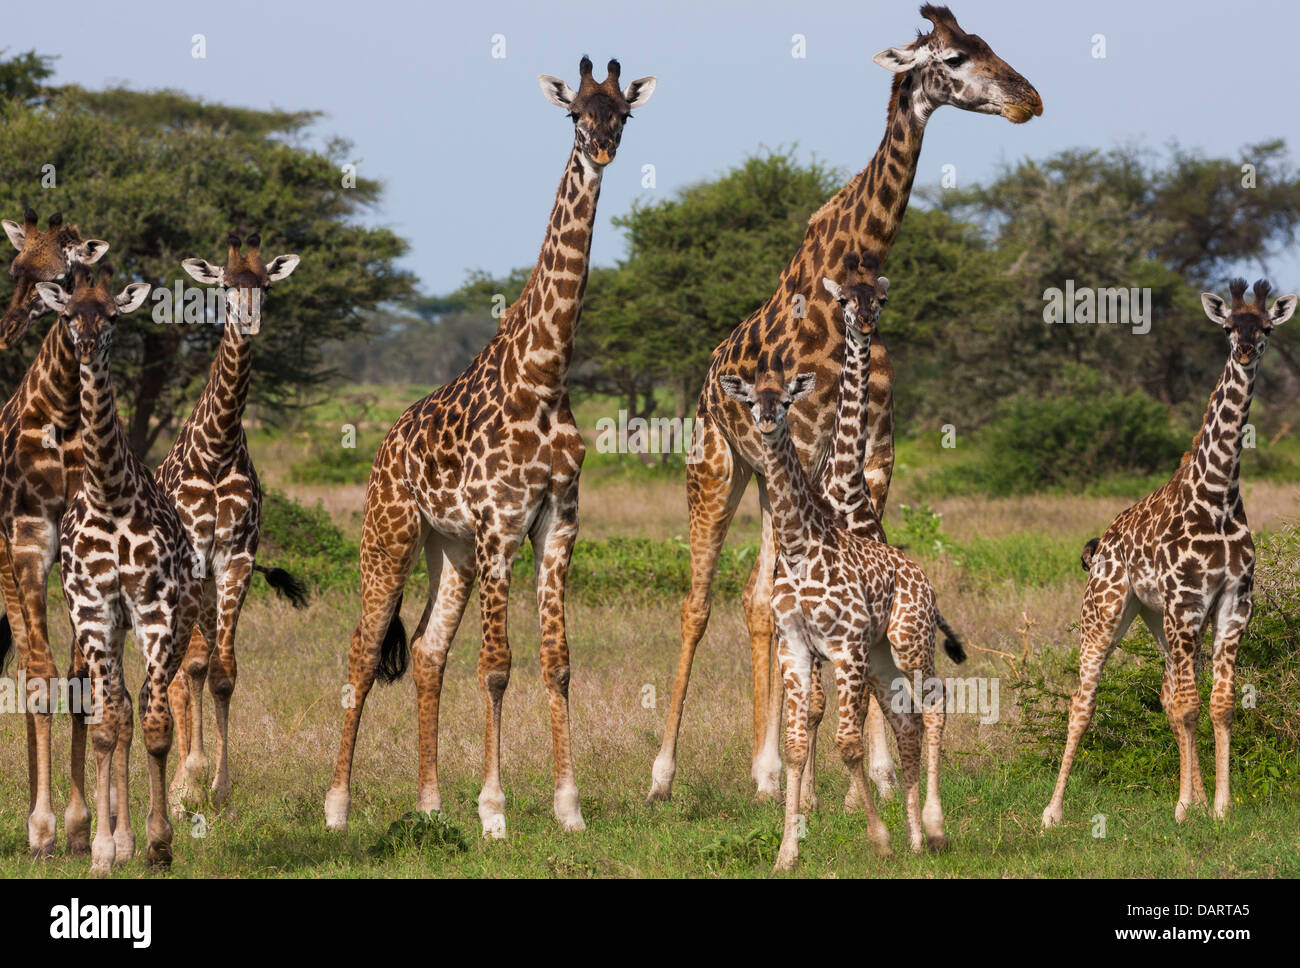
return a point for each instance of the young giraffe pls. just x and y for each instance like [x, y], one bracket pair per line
[945, 66]
[40, 470]
[126, 564]
[856, 602]
[475, 467]
[1182, 557]
[209, 475]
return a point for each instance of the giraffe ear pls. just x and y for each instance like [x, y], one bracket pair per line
[736, 388]
[639, 91]
[801, 386]
[17, 234]
[900, 60]
[281, 267]
[130, 298]
[882, 288]
[1282, 310]
[90, 251]
[53, 296]
[556, 91]
[201, 270]
[832, 287]
[1215, 308]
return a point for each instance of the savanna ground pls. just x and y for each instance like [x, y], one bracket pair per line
[1007, 573]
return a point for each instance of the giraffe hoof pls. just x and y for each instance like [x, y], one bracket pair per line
[785, 861]
[336, 809]
[767, 796]
[102, 855]
[884, 779]
[494, 827]
[79, 845]
[937, 842]
[160, 855]
[1180, 812]
[808, 803]
[659, 794]
[1052, 817]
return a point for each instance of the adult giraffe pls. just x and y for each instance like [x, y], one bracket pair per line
[470, 471]
[796, 327]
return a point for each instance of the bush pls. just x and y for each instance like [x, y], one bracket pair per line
[305, 542]
[332, 463]
[1129, 739]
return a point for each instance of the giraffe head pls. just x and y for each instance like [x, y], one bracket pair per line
[42, 257]
[770, 398]
[243, 280]
[1247, 324]
[953, 67]
[861, 295]
[599, 111]
[91, 310]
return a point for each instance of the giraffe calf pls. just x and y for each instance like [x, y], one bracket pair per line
[858, 604]
[126, 565]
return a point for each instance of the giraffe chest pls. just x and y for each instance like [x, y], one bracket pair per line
[495, 466]
[835, 596]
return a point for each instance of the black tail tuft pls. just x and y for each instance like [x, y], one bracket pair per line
[285, 585]
[6, 641]
[956, 651]
[951, 642]
[1089, 550]
[393, 654]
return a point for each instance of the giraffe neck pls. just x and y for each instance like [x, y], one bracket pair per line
[1216, 452]
[109, 480]
[796, 518]
[545, 318]
[843, 483]
[51, 385]
[218, 416]
[864, 216]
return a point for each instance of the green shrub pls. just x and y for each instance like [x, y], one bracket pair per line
[1129, 740]
[305, 542]
[332, 463]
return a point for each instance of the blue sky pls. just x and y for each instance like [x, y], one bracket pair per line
[471, 153]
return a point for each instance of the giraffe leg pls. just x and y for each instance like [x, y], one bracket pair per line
[391, 537]
[185, 697]
[494, 556]
[76, 818]
[715, 483]
[1108, 609]
[553, 537]
[765, 765]
[156, 723]
[13, 610]
[933, 714]
[888, 682]
[882, 772]
[224, 670]
[1233, 617]
[851, 694]
[816, 710]
[1182, 702]
[451, 578]
[104, 738]
[797, 672]
[30, 564]
[119, 807]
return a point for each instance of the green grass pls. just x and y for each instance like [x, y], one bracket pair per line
[992, 820]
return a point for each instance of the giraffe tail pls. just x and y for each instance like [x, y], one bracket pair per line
[6, 641]
[1089, 550]
[285, 585]
[393, 653]
[951, 642]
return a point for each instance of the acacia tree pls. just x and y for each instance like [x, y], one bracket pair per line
[162, 177]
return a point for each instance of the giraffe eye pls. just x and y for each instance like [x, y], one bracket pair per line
[955, 60]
